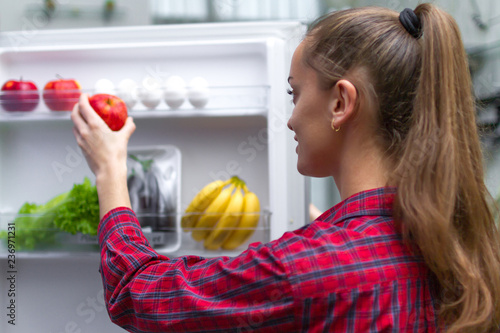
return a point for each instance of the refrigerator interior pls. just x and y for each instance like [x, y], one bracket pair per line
[241, 131]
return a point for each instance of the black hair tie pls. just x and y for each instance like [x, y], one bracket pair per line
[411, 22]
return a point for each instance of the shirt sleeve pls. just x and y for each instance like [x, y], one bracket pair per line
[148, 292]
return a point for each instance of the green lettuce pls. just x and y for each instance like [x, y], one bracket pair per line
[75, 211]
[79, 210]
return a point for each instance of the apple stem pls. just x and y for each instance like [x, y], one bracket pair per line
[59, 77]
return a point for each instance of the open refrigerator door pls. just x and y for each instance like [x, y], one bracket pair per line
[209, 103]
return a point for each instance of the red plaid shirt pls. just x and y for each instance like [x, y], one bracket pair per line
[348, 271]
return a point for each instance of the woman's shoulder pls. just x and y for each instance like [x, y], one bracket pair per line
[354, 243]
[367, 214]
[352, 236]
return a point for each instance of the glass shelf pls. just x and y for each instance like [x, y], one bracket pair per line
[213, 102]
[171, 240]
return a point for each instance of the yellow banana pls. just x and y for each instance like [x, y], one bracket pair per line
[200, 202]
[248, 222]
[212, 214]
[227, 222]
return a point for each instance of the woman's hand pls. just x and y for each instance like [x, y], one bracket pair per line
[105, 152]
[103, 148]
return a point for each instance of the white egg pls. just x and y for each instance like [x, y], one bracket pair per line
[104, 86]
[150, 98]
[198, 93]
[174, 98]
[175, 91]
[127, 91]
[150, 93]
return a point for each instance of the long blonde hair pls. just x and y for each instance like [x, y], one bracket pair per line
[426, 126]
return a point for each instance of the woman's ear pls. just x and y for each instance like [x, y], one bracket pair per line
[344, 99]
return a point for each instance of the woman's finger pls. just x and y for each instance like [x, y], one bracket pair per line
[82, 103]
[88, 113]
[128, 128]
[76, 118]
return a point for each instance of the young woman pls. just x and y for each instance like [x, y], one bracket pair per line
[383, 104]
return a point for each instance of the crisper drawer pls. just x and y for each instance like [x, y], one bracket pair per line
[68, 221]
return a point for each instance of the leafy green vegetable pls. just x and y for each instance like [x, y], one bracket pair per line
[74, 211]
[32, 228]
[79, 211]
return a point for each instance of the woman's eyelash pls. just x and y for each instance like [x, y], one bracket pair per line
[291, 93]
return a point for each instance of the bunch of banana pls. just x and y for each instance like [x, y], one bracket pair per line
[223, 214]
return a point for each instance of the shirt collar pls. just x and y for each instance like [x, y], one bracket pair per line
[377, 201]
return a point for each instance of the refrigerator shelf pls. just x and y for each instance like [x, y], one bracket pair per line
[141, 103]
[146, 114]
[52, 242]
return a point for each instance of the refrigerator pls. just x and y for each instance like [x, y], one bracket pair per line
[237, 126]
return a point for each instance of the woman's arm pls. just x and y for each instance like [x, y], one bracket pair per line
[105, 152]
[148, 292]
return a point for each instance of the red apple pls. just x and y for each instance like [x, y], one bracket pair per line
[61, 94]
[19, 96]
[112, 110]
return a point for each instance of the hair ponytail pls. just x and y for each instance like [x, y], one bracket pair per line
[442, 200]
[422, 92]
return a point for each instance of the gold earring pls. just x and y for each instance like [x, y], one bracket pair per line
[333, 126]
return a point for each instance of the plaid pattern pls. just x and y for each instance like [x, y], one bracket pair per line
[348, 271]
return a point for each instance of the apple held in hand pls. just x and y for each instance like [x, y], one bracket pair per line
[61, 94]
[19, 96]
[111, 109]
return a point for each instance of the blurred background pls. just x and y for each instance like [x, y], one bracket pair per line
[479, 21]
